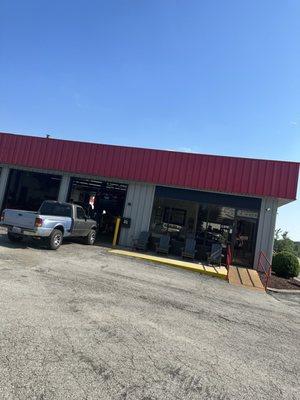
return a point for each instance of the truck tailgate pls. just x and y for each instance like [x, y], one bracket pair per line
[20, 218]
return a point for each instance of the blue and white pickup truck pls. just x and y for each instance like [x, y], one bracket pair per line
[51, 223]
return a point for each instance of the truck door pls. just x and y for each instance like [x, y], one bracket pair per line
[79, 222]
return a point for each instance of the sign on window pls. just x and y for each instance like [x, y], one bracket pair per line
[247, 213]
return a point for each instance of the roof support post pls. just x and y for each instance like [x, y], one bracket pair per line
[64, 188]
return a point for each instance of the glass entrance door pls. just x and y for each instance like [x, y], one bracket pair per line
[244, 242]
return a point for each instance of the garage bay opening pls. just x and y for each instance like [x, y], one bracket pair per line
[104, 201]
[27, 190]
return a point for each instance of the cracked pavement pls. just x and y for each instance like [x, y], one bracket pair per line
[80, 323]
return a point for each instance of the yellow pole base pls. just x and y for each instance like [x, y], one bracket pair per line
[117, 228]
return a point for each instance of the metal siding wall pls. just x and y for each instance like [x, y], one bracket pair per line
[266, 228]
[141, 197]
[3, 182]
[195, 171]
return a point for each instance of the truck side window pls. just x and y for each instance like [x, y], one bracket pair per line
[80, 213]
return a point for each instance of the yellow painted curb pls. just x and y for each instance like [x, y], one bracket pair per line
[219, 272]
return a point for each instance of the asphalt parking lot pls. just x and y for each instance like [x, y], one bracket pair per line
[80, 323]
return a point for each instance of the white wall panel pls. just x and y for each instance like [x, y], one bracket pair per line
[138, 207]
[266, 228]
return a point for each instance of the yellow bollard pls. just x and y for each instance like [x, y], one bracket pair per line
[117, 227]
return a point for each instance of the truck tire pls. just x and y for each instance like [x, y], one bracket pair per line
[55, 239]
[14, 238]
[91, 237]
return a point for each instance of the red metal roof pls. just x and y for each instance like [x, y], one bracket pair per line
[195, 171]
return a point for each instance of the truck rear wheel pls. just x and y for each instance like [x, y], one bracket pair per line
[91, 237]
[55, 239]
[14, 238]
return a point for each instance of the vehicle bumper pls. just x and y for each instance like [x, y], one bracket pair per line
[38, 232]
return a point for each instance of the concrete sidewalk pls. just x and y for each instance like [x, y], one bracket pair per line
[218, 272]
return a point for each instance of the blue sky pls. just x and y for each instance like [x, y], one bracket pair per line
[219, 77]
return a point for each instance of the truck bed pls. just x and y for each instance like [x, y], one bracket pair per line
[20, 218]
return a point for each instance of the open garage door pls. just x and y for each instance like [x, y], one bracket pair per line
[27, 190]
[102, 200]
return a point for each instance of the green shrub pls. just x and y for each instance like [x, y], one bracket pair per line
[285, 264]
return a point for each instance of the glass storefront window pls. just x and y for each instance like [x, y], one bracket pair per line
[219, 224]
[176, 218]
[208, 224]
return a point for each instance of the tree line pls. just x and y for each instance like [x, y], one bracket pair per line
[282, 242]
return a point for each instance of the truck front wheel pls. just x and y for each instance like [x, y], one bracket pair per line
[91, 237]
[55, 239]
[14, 238]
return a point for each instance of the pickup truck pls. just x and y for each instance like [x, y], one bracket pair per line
[51, 223]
